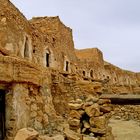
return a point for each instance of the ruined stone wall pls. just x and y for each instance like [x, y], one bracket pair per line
[28, 106]
[14, 32]
[27, 85]
[57, 40]
[117, 79]
[65, 88]
[121, 81]
[36, 95]
[28, 99]
[93, 54]
[90, 63]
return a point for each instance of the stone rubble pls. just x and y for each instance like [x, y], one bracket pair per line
[41, 72]
[126, 112]
[90, 118]
[26, 134]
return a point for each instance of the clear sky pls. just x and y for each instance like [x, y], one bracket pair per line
[113, 26]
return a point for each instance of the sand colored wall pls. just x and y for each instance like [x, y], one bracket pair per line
[57, 40]
[31, 85]
[15, 31]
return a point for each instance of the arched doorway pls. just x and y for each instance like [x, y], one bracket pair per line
[84, 73]
[67, 66]
[91, 73]
[47, 59]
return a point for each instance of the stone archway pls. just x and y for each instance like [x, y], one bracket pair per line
[67, 66]
[48, 58]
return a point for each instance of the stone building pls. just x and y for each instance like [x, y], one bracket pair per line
[40, 71]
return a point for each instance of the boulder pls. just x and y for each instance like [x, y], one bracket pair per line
[81, 112]
[86, 124]
[87, 104]
[84, 130]
[90, 111]
[88, 138]
[74, 122]
[75, 106]
[71, 135]
[92, 99]
[100, 122]
[79, 101]
[104, 101]
[93, 110]
[26, 134]
[105, 109]
[91, 121]
[98, 131]
[43, 137]
[75, 114]
[57, 137]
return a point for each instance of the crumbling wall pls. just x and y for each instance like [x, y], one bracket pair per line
[122, 81]
[28, 106]
[14, 32]
[57, 40]
[89, 117]
[92, 54]
[41, 71]
[90, 64]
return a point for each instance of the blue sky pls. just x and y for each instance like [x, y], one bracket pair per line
[113, 26]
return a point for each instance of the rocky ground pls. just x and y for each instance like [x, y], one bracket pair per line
[125, 130]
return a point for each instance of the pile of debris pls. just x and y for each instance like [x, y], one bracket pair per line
[89, 118]
[126, 112]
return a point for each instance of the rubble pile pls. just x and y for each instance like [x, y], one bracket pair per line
[89, 117]
[126, 112]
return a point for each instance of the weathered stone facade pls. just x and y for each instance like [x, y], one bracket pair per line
[41, 72]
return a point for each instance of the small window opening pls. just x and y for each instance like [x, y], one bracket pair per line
[53, 43]
[47, 59]
[46, 39]
[84, 73]
[53, 39]
[91, 73]
[67, 66]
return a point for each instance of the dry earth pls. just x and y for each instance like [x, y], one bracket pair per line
[125, 130]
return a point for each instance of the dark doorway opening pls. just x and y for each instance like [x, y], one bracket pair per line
[91, 73]
[2, 114]
[84, 73]
[67, 66]
[47, 59]
[26, 49]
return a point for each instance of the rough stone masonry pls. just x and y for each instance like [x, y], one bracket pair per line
[41, 73]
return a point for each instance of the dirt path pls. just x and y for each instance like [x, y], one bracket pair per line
[125, 130]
